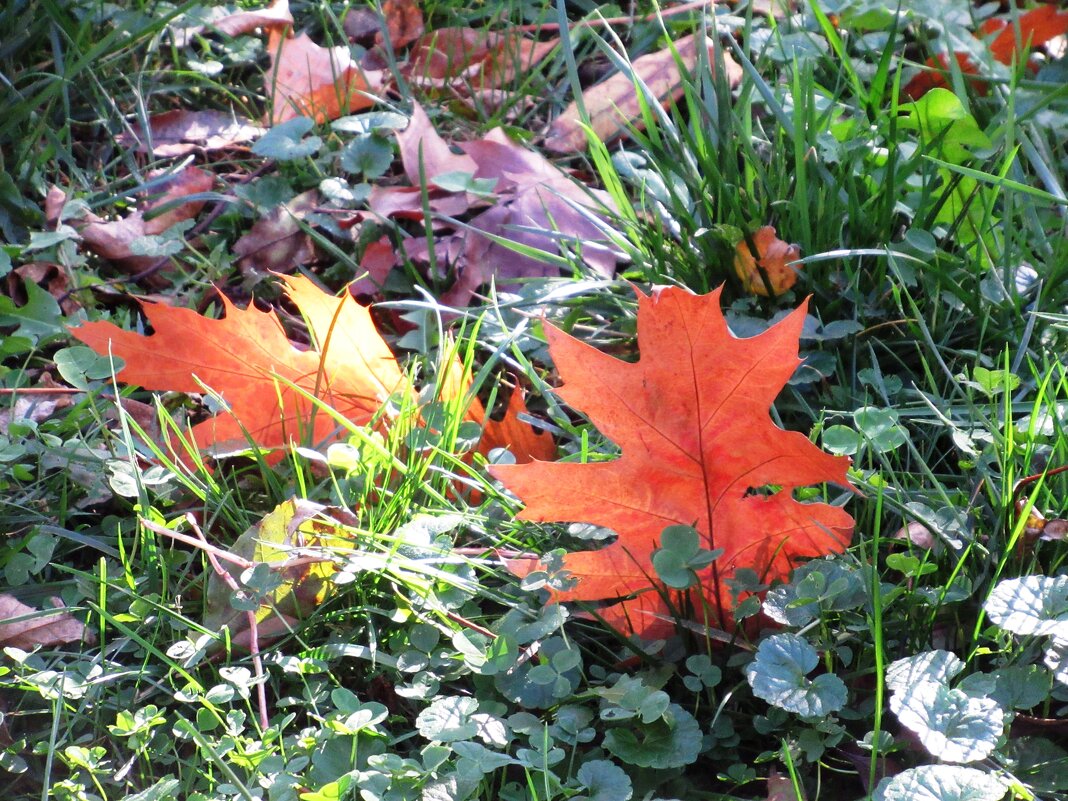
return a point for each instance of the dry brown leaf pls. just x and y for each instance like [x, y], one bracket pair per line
[773, 264]
[537, 204]
[324, 83]
[404, 22]
[52, 628]
[111, 239]
[180, 132]
[425, 155]
[613, 105]
[377, 260]
[276, 15]
[276, 242]
[466, 59]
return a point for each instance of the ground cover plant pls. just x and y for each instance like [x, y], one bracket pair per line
[430, 400]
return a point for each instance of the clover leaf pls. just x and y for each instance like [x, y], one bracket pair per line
[778, 675]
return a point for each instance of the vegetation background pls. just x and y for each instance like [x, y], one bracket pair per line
[165, 634]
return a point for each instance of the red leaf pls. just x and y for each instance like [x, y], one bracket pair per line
[691, 420]
[246, 357]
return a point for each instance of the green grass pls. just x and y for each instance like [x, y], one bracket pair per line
[934, 254]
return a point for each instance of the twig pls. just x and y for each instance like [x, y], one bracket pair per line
[253, 628]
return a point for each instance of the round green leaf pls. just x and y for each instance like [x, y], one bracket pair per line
[1031, 605]
[941, 783]
[286, 142]
[778, 675]
[670, 742]
[952, 725]
[605, 781]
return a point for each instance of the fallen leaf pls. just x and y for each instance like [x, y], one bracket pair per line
[111, 239]
[49, 276]
[404, 22]
[296, 528]
[180, 132]
[425, 155]
[276, 242]
[698, 449]
[772, 269]
[306, 80]
[377, 261]
[276, 15]
[33, 408]
[246, 357]
[613, 105]
[781, 788]
[466, 59]
[536, 204]
[523, 441]
[1036, 27]
[51, 628]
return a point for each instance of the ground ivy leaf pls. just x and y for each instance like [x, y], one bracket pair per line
[941, 783]
[778, 676]
[605, 781]
[671, 742]
[448, 718]
[932, 666]
[951, 724]
[286, 141]
[1035, 605]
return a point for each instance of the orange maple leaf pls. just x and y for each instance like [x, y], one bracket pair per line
[698, 449]
[246, 358]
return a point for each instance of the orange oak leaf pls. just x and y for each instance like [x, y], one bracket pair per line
[525, 443]
[1036, 27]
[773, 262]
[698, 449]
[306, 80]
[246, 357]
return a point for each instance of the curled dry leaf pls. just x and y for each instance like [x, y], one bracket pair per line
[324, 83]
[246, 357]
[111, 239]
[276, 242]
[772, 269]
[613, 105]
[52, 628]
[274, 16]
[180, 132]
[698, 448]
